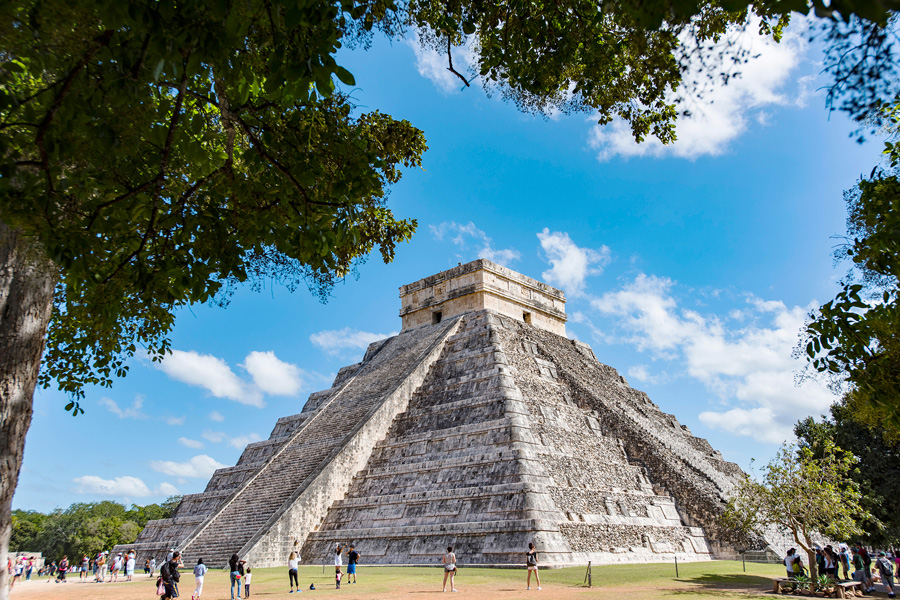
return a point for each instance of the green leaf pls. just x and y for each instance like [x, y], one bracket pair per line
[345, 76]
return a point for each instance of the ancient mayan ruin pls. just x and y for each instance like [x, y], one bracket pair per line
[480, 425]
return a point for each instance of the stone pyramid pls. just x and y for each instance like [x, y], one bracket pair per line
[479, 426]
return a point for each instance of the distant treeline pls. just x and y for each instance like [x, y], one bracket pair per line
[83, 528]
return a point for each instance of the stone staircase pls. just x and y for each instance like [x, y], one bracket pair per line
[241, 503]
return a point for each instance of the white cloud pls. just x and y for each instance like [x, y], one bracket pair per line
[433, 65]
[125, 486]
[240, 442]
[196, 444]
[132, 412]
[200, 467]
[570, 264]
[213, 436]
[273, 376]
[724, 110]
[642, 374]
[168, 489]
[747, 362]
[473, 242]
[211, 373]
[175, 420]
[118, 486]
[216, 416]
[340, 340]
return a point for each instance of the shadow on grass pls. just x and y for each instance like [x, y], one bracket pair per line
[742, 581]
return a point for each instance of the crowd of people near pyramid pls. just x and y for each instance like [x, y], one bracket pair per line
[102, 568]
[848, 564]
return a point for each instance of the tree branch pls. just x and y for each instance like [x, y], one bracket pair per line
[450, 61]
[101, 41]
[261, 150]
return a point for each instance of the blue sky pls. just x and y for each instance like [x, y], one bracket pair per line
[687, 268]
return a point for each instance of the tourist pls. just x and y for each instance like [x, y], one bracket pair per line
[338, 562]
[831, 561]
[293, 563]
[886, 570]
[867, 567]
[115, 568]
[199, 572]
[820, 560]
[129, 566]
[531, 563]
[101, 560]
[146, 566]
[797, 567]
[789, 562]
[29, 568]
[152, 566]
[247, 579]
[449, 560]
[83, 569]
[236, 567]
[170, 576]
[16, 572]
[62, 568]
[844, 557]
[352, 559]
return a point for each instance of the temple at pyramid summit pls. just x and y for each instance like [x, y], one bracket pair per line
[481, 426]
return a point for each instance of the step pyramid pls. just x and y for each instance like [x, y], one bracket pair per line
[480, 426]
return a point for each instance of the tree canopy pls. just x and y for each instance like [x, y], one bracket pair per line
[800, 493]
[855, 338]
[83, 528]
[876, 451]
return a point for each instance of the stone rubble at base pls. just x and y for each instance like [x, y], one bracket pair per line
[479, 426]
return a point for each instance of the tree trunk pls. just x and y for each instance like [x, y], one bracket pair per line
[27, 280]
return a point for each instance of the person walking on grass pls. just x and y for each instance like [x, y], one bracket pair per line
[449, 560]
[352, 559]
[293, 563]
[531, 562]
[338, 563]
[199, 573]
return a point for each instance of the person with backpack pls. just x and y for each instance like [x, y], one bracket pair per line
[169, 577]
[531, 563]
[886, 570]
[236, 568]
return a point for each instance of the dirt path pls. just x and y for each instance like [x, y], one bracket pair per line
[419, 584]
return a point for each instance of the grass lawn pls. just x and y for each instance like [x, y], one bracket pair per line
[719, 579]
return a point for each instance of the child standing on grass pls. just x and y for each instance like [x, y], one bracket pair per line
[247, 577]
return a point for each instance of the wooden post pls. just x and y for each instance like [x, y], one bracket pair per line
[676, 567]
[587, 575]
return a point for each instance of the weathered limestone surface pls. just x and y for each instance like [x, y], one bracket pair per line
[485, 430]
[481, 285]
